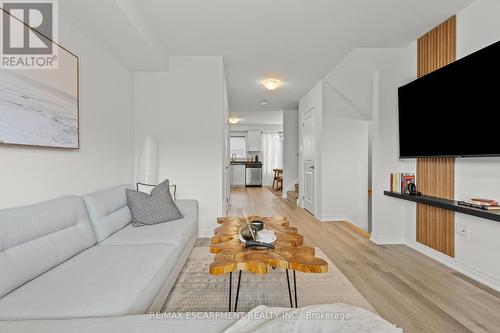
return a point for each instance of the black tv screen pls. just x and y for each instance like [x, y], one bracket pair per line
[454, 111]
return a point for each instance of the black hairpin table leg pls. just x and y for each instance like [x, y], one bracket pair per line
[289, 290]
[287, 282]
[295, 289]
[230, 287]
[237, 292]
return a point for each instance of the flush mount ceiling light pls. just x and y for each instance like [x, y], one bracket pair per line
[272, 84]
[264, 102]
[234, 120]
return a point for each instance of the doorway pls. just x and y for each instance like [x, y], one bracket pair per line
[309, 158]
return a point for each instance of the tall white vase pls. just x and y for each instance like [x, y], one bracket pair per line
[148, 162]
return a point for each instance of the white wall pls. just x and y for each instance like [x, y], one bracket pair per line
[395, 67]
[184, 110]
[344, 165]
[258, 117]
[341, 167]
[394, 220]
[477, 27]
[105, 157]
[290, 149]
[342, 139]
[352, 78]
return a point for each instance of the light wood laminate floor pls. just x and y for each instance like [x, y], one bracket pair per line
[404, 286]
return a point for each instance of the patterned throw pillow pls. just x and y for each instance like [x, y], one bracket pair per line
[154, 208]
[146, 188]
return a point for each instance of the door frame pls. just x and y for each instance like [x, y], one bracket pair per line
[312, 110]
[226, 152]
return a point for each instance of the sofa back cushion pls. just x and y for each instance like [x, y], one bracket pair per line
[36, 238]
[108, 210]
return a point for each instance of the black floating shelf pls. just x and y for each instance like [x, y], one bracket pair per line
[447, 204]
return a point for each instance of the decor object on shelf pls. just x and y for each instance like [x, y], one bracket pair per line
[484, 204]
[411, 189]
[148, 161]
[39, 107]
[400, 183]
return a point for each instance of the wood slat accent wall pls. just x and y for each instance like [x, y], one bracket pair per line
[437, 48]
[436, 176]
[436, 226]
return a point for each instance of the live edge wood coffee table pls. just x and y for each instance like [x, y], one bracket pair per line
[289, 254]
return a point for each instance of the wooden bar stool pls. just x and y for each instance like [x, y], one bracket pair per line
[278, 179]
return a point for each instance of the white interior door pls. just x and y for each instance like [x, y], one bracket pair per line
[309, 153]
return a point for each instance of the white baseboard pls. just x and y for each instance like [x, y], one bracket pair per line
[457, 265]
[452, 263]
[333, 218]
[386, 239]
[291, 185]
[205, 233]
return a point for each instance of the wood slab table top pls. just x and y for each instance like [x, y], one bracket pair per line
[289, 253]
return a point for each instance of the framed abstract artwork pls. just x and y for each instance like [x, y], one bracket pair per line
[40, 107]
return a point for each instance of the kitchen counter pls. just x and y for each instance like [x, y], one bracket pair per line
[245, 173]
[245, 163]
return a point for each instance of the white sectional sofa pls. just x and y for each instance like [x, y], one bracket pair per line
[123, 324]
[75, 257]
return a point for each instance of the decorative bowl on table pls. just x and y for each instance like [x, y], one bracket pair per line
[264, 236]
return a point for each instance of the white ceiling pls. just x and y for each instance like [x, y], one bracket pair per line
[121, 27]
[299, 41]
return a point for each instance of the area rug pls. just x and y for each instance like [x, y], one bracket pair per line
[197, 290]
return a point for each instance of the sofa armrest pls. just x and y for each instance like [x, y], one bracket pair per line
[188, 207]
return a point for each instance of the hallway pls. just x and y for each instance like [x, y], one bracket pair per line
[404, 286]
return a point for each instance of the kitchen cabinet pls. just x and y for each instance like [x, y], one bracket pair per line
[238, 175]
[254, 141]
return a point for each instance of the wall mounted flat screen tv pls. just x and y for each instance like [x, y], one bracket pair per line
[454, 111]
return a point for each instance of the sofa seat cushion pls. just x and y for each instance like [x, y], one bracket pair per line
[177, 232]
[101, 281]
